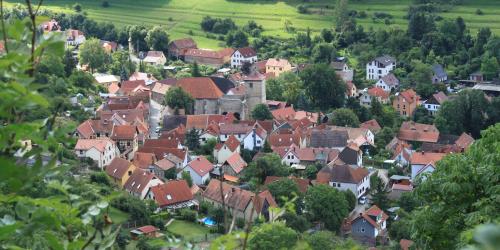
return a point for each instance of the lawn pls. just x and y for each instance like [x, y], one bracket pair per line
[188, 230]
[117, 216]
[183, 16]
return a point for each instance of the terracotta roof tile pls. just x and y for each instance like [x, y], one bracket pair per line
[464, 141]
[138, 181]
[232, 143]
[118, 168]
[148, 229]
[200, 87]
[236, 162]
[124, 132]
[99, 144]
[247, 52]
[378, 92]
[172, 192]
[410, 96]
[424, 158]
[287, 113]
[372, 125]
[201, 165]
[412, 131]
[277, 62]
[184, 43]
[280, 140]
[143, 160]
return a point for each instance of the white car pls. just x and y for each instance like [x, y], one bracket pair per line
[363, 200]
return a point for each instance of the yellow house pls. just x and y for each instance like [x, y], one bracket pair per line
[120, 170]
[278, 66]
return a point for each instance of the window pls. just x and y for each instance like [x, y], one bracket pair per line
[128, 143]
[81, 151]
[362, 229]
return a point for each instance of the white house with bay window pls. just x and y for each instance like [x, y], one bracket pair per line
[380, 67]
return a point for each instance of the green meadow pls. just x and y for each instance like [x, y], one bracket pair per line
[183, 17]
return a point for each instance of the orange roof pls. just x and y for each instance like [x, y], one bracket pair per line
[279, 140]
[201, 165]
[277, 62]
[124, 132]
[409, 95]
[412, 131]
[371, 125]
[464, 141]
[378, 92]
[236, 162]
[231, 178]
[144, 160]
[232, 143]
[99, 144]
[172, 192]
[113, 88]
[118, 168]
[287, 113]
[200, 87]
[424, 158]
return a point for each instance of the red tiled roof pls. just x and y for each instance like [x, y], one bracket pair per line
[164, 142]
[172, 192]
[235, 128]
[424, 158]
[148, 229]
[210, 53]
[402, 187]
[280, 140]
[264, 196]
[200, 87]
[124, 132]
[232, 143]
[234, 197]
[236, 162]
[85, 129]
[201, 165]
[118, 168]
[165, 164]
[184, 43]
[378, 92]
[247, 52]
[464, 141]
[99, 144]
[372, 125]
[139, 180]
[277, 62]
[143, 160]
[412, 131]
[286, 113]
[409, 95]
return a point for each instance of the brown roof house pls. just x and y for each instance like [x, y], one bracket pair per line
[424, 162]
[278, 66]
[234, 165]
[120, 170]
[406, 102]
[372, 125]
[156, 58]
[178, 48]
[434, 102]
[209, 57]
[223, 151]
[243, 55]
[126, 138]
[102, 151]
[344, 177]
[145, 231]
[388, 82]
[241, 203]
[172, 195]
[205, 92]
[139, 183]
[418, 132]
[199, 168]
[375, 92]
[369, 225]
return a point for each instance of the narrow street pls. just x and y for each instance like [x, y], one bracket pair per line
[155, 111]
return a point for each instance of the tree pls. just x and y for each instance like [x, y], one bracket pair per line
[422, 115]
[237, 39]
[246, 67]
[157, 39]
[261, 112]
[326, 204]
[459, 195]
[311, 172]
[176, 98]
[195, 70]
[121, 64]
[274, 89]
[350, 198]
[378, 192]
[490, 67]
[283, 190]
[192, 139]
[323, 53]
[105, 4]
[341, 14]
[77, 7]
[187, 177]
[296, 222]
[69, 62]
[465, 113]
[344, 117]
[92, 53]
[81, 79]
[268, 165]
[272, 236]
[420, 24]
[323, 87]
[320, 240]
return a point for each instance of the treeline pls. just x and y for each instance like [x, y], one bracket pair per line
[234, 36]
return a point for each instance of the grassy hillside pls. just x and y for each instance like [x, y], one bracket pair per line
[185, 15]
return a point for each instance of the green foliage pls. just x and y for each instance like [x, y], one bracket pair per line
[326, 204]
[237, 39]
[121, 65]
[490, 67]
[170, 174]
[136, 208]
[195, 70]
[267, 147]
[422, 115]
[323, 53]
[192, 139]
[261, 112]
[100, 178]
[188, 214]
[378, 192]
[272, 236]
[296, 222]
[320, 240]
[77, 7]
[323, 87]
[187, 177]
[350, 198]
[460, 194]
[157, 39]
[92, 53]
[311, 171]
[268, 165]
[176, 98]
[344, 117]
[283, 190]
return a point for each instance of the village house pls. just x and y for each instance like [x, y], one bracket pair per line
[243, 55]
[371, 125]
[159, 91]
[240, 203]
[239, 130]
[172, 195]
[106, 80]
[351, 90]
[155, 58]
[476, 77]
[278, 66]
[233, 165]
[300, 158]
[388, 82]
[146, 77]
[126, 138]
[143, 160]
[223, 151]
[375, 92]
[120, 170]
[102, 151]
[439, 74]
[145, 231]
[74, 37]
[434, 102]
[350, 155]
[209, 57]
[50, 26]
[178, 48]
[139, 183]
[286, 140]
[369, 226]
[199, 169]
[380, 67]
[417, 132]
[342, 70]
[160, 167]
[255, 138]
[204, 91]
[109, 47]
[344, 177]
[406, 102]
[424, 162]
[398, 189]
[326, 138]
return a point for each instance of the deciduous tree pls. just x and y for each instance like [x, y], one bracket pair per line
[326, 204]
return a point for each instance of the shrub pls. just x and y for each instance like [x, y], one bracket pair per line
[479, 12]
[188, 215]
[240, 223]
[105, 4]
[77, 7]
[302, 9]
[362, 14]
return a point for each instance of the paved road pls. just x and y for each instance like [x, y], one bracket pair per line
[155, 110]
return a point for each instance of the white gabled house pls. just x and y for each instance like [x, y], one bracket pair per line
[344, 177]
[255, 139]
[380, 67]
[199, 169]
[223, 151]
[102, 150]
[388, 82]
[242, 55]
[139, 183]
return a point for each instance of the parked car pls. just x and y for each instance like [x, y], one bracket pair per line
[158, 129]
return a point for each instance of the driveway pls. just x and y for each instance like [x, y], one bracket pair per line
[155, 111]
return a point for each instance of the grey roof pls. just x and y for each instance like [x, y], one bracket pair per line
[349, 156]
[390, 79]
[173, 121]
[328, 138]
[337, 65]
[223, 84]
[385, 60]
[439, 71]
